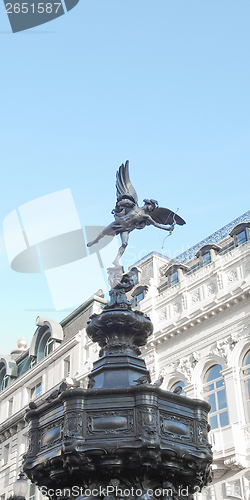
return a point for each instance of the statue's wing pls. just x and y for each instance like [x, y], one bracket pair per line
[166, 216]
[123, 183]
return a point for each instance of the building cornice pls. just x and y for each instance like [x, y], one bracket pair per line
[178, 328]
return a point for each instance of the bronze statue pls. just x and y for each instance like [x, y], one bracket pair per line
[129, 216]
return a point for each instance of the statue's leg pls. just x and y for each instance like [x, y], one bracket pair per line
[101, 235]
[124, 237]
[108, 231]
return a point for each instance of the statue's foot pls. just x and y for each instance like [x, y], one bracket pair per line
[90, 243]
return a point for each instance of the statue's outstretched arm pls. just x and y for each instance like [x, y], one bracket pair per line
[161, 226]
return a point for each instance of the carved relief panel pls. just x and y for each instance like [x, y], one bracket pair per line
[112, 423]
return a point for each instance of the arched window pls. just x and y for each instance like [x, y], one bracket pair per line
[134, 275]
[44, 346]
[8, 371]
[172, 275]
[204, 254]
[180, 384]
[240, 233]
[246, 379]
[2, 377]
[46, 338]
[215, 392]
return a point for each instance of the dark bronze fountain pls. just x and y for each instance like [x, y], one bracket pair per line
[123, 437]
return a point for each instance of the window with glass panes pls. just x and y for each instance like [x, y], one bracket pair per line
[33, 361]
[174, 278]
[246, 379]
[5, 381]
[139, 297]
[241, 237]
[6, 453]
[215, 392]
[134, 275]
[66, 367]
[48, 346]
[206, 259]
[36, 391]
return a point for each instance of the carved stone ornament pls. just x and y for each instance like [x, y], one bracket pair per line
[211, 288]
[176, 308]
[187, 364]
[219, 281]
[195, 296]
[163, 314]
[223, 347]
[234, 463]
[231, 276]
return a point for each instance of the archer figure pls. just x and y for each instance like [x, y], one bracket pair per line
[129, 216]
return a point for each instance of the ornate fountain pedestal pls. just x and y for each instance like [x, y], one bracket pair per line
[122, 433]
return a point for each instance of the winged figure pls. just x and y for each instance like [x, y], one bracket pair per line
[129, 216]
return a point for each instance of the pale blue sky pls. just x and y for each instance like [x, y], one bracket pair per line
[163, 83]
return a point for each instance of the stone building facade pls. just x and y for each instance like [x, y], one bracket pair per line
[57, 352]
[200, 308]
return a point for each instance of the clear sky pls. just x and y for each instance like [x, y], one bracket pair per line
[163, 83]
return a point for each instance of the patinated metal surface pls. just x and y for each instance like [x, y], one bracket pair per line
[121, 431]
[129, 216]
[139, 431]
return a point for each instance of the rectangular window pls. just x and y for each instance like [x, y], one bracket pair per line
[66, 367]
[212, 402]
[174, 278]
[206, 258]
[223, 419]
[5, 381]
[49, 347]
[6, 453]
[23, 445]
[241, 238]
[7, 477]
[138, 298]
[222, 403]
[32, 361]
[214, 422]
[36, 391]
[10, 407]
[216, 396]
